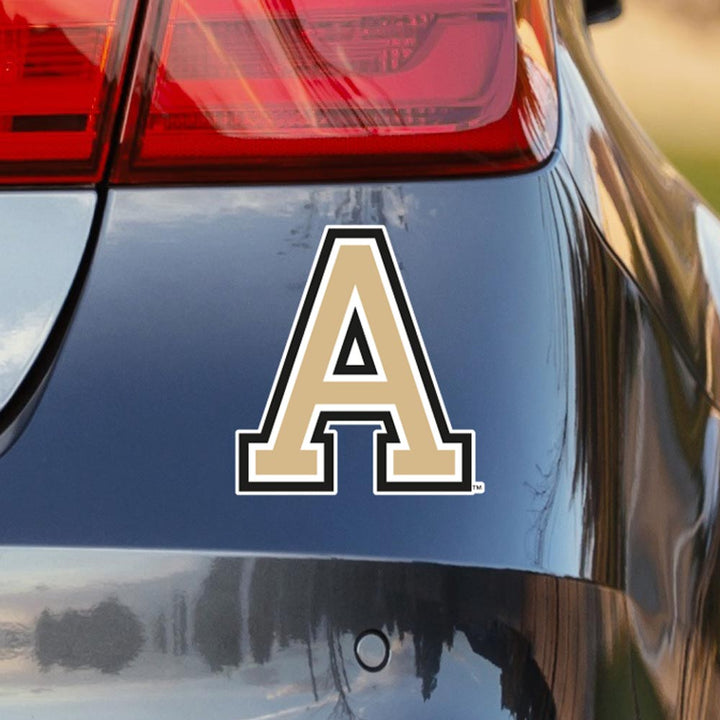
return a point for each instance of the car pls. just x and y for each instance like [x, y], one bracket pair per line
[357, 360]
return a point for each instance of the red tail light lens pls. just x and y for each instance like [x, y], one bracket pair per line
[59, 69]
[282, 89]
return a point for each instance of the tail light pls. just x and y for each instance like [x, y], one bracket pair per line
[60, 65]
[278, 89]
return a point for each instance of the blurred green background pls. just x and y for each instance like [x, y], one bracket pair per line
[663, 58]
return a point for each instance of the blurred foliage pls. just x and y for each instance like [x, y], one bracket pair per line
[693, 9]
[662, 58]
[703, 171]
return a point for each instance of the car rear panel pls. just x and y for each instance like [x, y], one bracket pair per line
[591, 429]
[182, 325]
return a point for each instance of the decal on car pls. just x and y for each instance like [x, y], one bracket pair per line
[355, 357]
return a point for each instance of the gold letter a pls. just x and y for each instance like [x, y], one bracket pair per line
[355, 357]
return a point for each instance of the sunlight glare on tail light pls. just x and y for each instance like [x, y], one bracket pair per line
[306, 89]
[59, 67]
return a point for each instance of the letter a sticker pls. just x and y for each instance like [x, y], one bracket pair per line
[355, 357]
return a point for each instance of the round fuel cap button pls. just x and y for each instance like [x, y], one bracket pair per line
[372, 650]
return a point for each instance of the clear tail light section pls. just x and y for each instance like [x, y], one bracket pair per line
[60, 68]
[262, 90]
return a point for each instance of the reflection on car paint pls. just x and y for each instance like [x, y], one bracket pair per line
[645, 210]
[37, 268]
[181, 634]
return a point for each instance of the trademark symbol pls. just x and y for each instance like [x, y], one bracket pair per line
[479, 488]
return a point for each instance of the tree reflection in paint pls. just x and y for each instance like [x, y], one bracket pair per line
[253, 608]
[217, 615]
[305, 602]
[107, 637]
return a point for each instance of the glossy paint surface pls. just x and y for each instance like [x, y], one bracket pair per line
[43, 239]
[538, 342]
[177, 636]
[183, 322]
